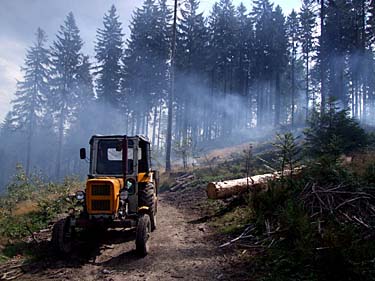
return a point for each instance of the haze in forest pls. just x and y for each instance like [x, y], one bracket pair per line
[241, 74]
[19, 20]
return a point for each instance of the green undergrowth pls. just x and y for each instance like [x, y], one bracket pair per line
[232, 221]
[29, 206]
[305, 246]
[309, 245]
[317, 225]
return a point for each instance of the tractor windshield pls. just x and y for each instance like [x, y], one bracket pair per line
[109, 159]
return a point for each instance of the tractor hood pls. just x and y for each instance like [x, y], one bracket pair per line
[102, 195]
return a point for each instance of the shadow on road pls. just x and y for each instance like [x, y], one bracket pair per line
[87, 247]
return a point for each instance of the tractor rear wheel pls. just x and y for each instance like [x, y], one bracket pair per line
[147, 197]
[62, 236]
[143, 235]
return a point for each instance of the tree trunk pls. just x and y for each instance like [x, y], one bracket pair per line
[154, 125]
[159, 127]
[277, 100]
[307, 85]
[293, 83]
[226, 189]
[168, 144]
[60, 143]
[322, 58]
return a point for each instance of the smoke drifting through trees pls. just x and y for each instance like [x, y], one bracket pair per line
[236, 71]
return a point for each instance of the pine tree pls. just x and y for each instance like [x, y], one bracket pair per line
[108, 54]
[66, 59]
[29, 105]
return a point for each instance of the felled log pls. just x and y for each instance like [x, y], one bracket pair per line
[226, 189]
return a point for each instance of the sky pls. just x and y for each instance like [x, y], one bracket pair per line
[19, 20]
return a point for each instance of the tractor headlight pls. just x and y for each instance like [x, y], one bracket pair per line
[130, 186]
[80, 195]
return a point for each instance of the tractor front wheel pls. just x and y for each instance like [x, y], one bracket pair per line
[143, 235]
[62, 236]
[147, 197]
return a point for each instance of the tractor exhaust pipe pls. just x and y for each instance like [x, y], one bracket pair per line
[125, 157]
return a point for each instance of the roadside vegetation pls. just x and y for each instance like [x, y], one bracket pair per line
[30, 205]
[314, 225]
[317, 225]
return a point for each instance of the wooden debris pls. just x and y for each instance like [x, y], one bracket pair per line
[182, 182]
[245, 234]
[346, 204]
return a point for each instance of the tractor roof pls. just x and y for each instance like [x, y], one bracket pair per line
[141, 137]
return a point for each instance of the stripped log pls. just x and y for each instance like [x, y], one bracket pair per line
[226, 189]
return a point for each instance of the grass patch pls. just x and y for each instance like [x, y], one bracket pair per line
[232, 221]
[229, 217]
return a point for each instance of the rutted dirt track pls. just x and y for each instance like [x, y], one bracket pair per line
[181, 248]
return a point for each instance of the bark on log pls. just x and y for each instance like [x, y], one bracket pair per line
[226, 189]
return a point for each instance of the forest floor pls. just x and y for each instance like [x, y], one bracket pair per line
[182, 247]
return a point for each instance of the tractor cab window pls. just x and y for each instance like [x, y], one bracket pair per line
[109, 158]
[114, 155]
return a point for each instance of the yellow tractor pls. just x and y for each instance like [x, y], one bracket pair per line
[121, 192]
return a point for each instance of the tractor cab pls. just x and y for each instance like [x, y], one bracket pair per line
[121, 189]
[107, 155]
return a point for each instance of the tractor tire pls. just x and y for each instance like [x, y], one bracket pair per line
[142, 235]
[147, 197]
[62, 237]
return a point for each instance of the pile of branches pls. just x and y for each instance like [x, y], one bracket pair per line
[343, 203]
[250, 238]
[340, 202]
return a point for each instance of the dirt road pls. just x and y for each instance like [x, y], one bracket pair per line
[181, 248]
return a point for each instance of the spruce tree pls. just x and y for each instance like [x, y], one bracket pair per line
[190, 68]
[279, 59]
[108, 50]
[30, 102]
[263, 16]
[338, 30]
[162, 81]
[223, 30]
[370, 25]
[370, 47]
[65, 98]
[244, 64]
[145, 64]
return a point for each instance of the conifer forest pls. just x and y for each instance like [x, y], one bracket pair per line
[237, 74]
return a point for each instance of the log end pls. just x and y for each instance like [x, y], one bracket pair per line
[211, 190]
